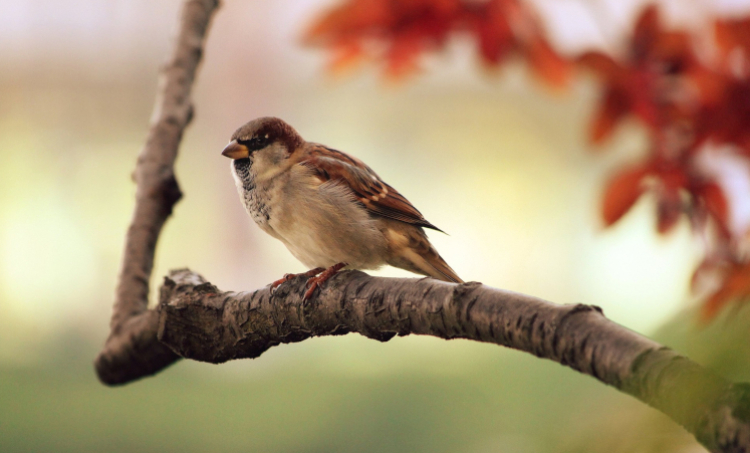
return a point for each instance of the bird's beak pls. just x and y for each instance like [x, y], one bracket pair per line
[235, 151]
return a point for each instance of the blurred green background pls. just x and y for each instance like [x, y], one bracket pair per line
[496, 160]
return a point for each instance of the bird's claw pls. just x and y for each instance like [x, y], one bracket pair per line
[278, 282]
[287, 277]
[311, 287]
[315, 281]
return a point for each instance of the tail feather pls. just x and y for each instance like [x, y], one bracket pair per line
[443, 270]
[416, 254]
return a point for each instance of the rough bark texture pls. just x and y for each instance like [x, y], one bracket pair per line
[196, 320]
[132, 340]
[200, 322]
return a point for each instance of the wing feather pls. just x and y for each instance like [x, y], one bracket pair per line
[375, 195]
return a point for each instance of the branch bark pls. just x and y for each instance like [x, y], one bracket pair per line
[198, 321]
[132, 344]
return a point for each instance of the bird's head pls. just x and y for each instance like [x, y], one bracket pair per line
[265, 144]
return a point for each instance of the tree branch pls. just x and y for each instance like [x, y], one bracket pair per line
[200, 322]
[132, 338]
[196, 320]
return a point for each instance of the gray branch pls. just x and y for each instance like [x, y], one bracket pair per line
[200, 322]
[131, 348]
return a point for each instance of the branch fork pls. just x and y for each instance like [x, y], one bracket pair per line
[194, 319]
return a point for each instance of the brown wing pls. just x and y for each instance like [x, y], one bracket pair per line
[378, 197]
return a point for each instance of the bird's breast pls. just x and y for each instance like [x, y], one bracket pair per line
[255, 197]
[320, 224]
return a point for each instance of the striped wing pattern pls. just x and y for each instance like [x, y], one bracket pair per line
[375, 195]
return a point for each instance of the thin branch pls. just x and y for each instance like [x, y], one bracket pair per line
[157, 192]
[200, 322]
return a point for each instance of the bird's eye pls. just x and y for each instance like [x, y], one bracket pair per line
[254, 143]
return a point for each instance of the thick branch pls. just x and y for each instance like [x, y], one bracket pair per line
[198, 321]
[157, 192]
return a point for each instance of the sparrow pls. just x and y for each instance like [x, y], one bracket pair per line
[328, 208]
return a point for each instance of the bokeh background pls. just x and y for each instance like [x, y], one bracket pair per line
[493, 158]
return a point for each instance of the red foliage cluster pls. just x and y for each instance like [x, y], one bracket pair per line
[400, 31]
[688, 103]
[688, 106]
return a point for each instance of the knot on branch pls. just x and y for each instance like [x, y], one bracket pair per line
[166, 193]
[180, 282]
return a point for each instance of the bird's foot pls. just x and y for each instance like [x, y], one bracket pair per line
[287, 277]
[314, 282]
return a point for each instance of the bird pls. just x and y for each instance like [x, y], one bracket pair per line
[327, 207]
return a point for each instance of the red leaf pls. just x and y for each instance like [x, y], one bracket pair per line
[646, 33]
[622, 192]
[643, 102]
[547, 64]
[345, 57]
[673, 178]
[668, 210]
[494, 33]
[735, 286]
[731, 34]
[714, 303]
[716, 203]
[402, 57]
[611, 110]
[601, 64]
[732, 117]
[348, 21]
[669, 206]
